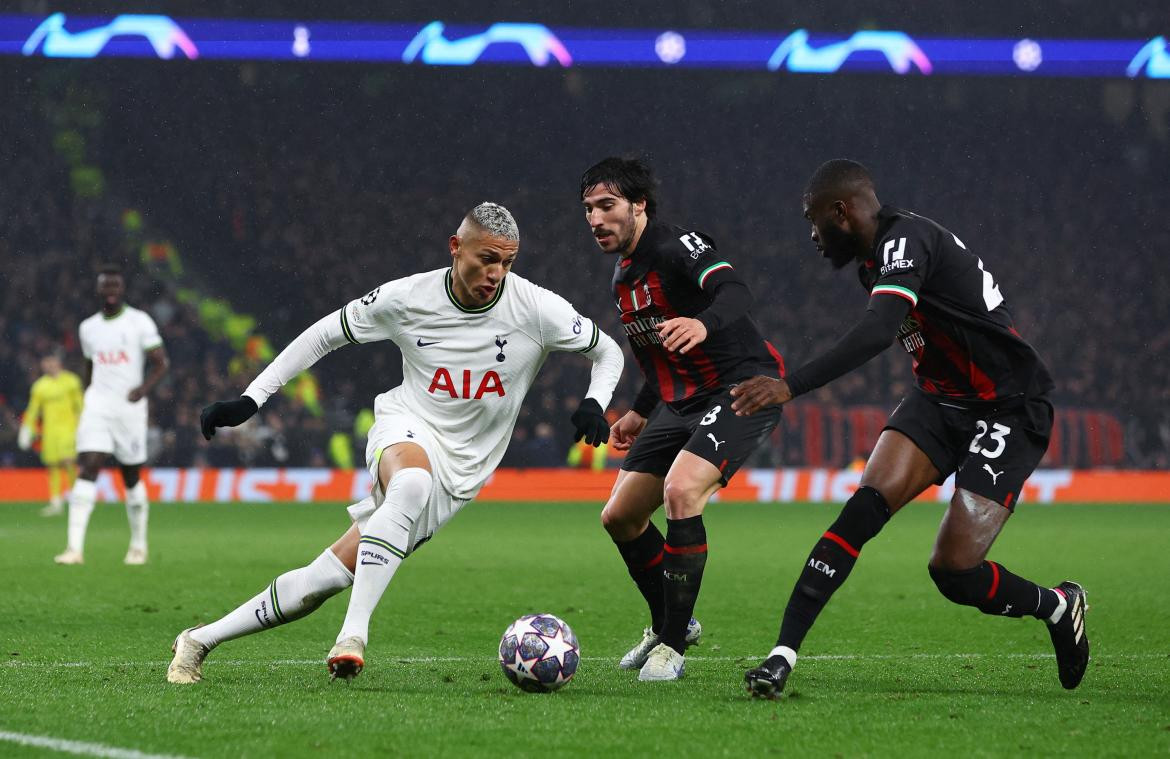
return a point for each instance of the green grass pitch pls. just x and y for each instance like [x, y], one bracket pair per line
[891, 669]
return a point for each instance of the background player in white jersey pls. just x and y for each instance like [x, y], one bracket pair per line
[118, 342]
[473, 338]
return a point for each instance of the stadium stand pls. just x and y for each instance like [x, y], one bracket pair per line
[249, 208]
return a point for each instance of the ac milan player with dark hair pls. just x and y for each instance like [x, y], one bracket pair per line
[980, 409]
[685, 311]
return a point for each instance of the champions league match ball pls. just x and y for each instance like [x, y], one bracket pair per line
[539, 653]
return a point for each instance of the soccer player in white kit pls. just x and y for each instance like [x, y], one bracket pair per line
[472, 337]
[118, 342]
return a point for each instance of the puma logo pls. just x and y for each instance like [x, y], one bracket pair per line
[994, 474]
[716, 442]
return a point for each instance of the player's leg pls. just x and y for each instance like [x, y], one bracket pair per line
[637, 493]
[137, 513]
[70, 470]
[82, 498]
[719, 443]
[404, 475]
[57, 454]
[626, 518]
[57, 486]
[897, 471]
[689, 484]
[129, 435]
[1012, 443]
[291, 596]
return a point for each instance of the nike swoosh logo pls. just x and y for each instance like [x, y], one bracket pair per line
[421, 344]
[373, 562]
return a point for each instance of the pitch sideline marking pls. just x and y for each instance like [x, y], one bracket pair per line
[79, 747]
[483, 659]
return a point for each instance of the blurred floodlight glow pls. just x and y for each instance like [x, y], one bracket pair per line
[301, 46]
[670, 47]
[1027, 55]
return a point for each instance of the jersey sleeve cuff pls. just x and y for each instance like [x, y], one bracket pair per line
[902, 292]
[594, 337]
[345, 328]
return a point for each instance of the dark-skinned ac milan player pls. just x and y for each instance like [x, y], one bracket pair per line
[979, 409]
[685, 311]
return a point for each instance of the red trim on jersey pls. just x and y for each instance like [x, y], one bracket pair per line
[662, 370]
[994, 580]
[1007, 504]
[680, 368]
[684, 550]
[654, 283]
[705, 366]
[843, 543]
[682, 371]
[653, 562]
[623, 297]
[722, 466]
[982, 384]
[777, 357]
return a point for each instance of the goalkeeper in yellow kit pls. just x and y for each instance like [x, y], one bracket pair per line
[55, 399]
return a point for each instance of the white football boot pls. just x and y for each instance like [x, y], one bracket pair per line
[135, 557]
[53, 510]
[346, 658]
[187, 666]
[663, 663]
[635, 658]
[69, 557]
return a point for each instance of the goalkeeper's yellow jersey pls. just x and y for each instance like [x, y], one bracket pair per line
[57, 401]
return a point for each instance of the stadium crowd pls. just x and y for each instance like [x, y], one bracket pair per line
[287, 196]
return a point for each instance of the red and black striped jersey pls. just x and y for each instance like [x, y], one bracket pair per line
[674, 272]
[959, 330]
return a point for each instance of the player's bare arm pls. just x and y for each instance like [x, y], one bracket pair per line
[159, 364]
[759, 392]
[875, 332]
[626, 430]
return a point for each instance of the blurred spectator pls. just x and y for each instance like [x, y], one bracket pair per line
[287, 196]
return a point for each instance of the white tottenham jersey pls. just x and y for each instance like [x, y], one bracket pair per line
[465, 371]
[117, 346]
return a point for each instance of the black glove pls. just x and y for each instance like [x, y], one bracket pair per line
[590, 423]
[226, 414]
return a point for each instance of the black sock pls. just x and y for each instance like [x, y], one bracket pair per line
[994, 590]
[643, 557]
[830, 563]
[682, 574]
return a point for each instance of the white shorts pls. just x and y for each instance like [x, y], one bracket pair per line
[441, 506]
[122, 434]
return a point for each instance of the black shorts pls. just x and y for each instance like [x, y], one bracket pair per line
[992, 450]
[707, 428]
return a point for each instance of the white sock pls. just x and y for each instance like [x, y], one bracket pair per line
[293, 595]
[1060, 607]
[81, 500]
[137, 511]
[383, 547]
[56, 501]
[788, 654]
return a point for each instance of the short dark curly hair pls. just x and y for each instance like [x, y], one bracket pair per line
[631, 178]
